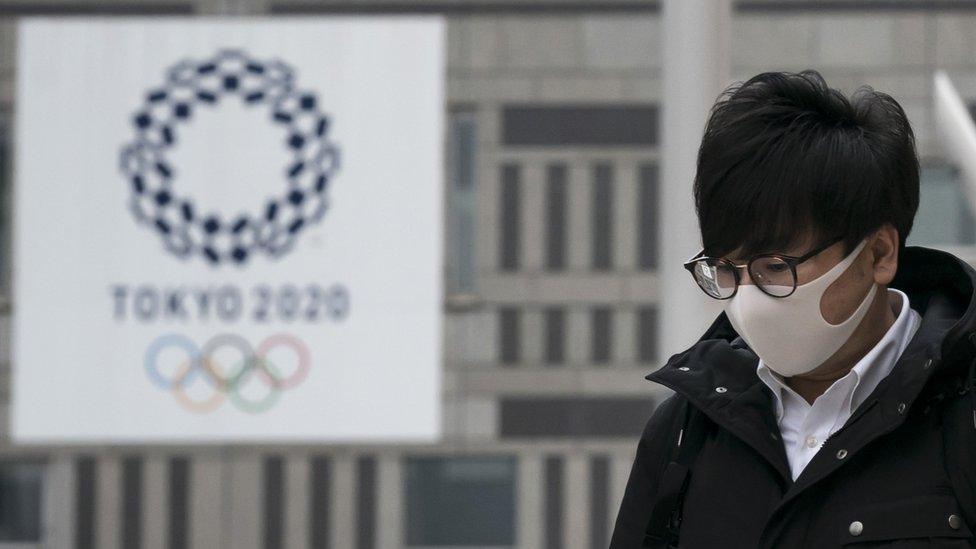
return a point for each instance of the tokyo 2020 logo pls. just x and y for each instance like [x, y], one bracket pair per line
[226, 380]
[191, 86]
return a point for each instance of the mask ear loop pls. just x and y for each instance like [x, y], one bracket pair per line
[869, 298]
[848, 260]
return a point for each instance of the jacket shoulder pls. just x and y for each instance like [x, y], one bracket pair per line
[665, 417]
[653, 453]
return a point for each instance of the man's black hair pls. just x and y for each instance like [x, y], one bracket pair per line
[784, 154]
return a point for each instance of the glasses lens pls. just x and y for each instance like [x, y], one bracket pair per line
[773, 275]
[715, 277]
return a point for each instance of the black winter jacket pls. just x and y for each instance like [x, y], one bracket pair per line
[900, 467]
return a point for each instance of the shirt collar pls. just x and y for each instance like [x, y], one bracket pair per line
[873, 366]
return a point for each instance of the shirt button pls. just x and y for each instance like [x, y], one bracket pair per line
[841, 454]
[684, 368]
[811, 441]
[720, 389]
[901, 408]
[856, 528]
[955, 522]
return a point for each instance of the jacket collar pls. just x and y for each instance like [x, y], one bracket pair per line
[718, 372]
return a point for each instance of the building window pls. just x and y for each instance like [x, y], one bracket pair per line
[366, 502]
[573, 416]
[274, 505]
[556, 203]
[601, 330]
[647, 334]
[6, 208]
[320, 508]
[602, 209]
[510, 213]
[555, 351]
[179, 502]
[944, 213]
[600, 507]
[554, 502]
[460, 501]
[580, 125]
[510, 344]
[132, 500]
[20, 502]
[462, 202]
[647, 215]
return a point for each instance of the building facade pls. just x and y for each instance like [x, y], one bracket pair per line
[552, 274]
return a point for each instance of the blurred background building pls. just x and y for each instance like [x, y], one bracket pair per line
[553, 233]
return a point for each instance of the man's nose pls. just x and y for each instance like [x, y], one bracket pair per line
[744, 277]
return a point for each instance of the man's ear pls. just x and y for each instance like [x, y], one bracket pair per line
[884, 253]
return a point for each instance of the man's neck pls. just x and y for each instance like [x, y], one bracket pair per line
[876, 323]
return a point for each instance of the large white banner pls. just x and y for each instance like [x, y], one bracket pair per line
[228, 230]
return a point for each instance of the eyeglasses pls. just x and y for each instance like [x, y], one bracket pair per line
[774, 274]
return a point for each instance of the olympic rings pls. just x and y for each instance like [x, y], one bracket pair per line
[152, 357]
[227, 383]
[254, 406]
[229, 340]
[301, 351]
[199, 406]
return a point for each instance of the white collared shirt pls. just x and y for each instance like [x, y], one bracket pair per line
[803, 426]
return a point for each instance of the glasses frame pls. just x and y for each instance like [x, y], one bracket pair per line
[790, 260]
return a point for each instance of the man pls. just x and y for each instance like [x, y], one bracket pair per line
[832, 402]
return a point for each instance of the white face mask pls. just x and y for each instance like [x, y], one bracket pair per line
[789, 333]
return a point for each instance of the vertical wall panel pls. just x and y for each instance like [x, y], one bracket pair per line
[578, 336]
[109, 508]
[625, 230]
[244, 494]
[155, 510]
[297, 498]
[576, 508]
[578, 230]
[533, 218]
[344, 502]
[389, 501]
[206, 500]
[531, 505]
[625, 336]
[533, 335]
[59, 501]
